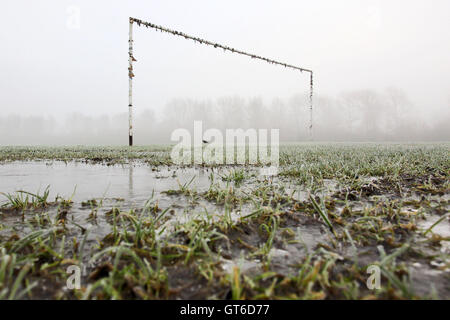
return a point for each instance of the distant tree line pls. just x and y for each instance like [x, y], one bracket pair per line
[364, 115]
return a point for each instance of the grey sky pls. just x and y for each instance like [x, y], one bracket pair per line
[49, 67]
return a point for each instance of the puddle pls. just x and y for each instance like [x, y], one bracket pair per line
[442, 229]
[134, 183]
[131, 186]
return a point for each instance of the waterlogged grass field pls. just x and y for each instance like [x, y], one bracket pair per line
[139, 227]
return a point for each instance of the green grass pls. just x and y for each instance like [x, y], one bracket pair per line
[365, 206]
[22, 200]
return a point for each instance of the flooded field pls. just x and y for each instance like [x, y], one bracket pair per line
[139, 227]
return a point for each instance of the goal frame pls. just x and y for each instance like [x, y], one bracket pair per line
[131, 59]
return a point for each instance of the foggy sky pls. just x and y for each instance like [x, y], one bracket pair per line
[53, 68]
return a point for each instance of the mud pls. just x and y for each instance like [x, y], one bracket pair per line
[261, 226]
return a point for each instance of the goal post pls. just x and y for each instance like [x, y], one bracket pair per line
[130, 85]
[131, 59]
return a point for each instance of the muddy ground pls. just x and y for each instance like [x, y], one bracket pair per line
[139, 227]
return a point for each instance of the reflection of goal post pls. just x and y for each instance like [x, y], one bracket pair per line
[201, 41]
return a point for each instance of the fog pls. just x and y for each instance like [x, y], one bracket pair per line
[353, 116]
[382, 70]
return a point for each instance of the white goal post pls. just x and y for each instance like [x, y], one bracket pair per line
[131, 59]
